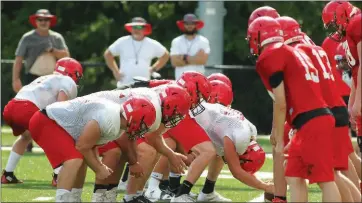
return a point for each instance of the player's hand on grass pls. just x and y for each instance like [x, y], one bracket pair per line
[178, 162]
[103, 172]
[136, 170]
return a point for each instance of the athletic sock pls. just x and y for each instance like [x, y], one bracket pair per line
[174, 181]
[12, 161]
[111, 186]
[125, 174]
[185, 188]
[154, 180]
[209, 186]
[164, 184]
[130, 197]
[62, 195]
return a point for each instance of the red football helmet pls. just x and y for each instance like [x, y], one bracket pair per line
[198, 87]
[220, 77]
[292, 31]
[175, 104]
[336, 15]
[220, 93]
[140, 115]
[263, 30]
[253, 159]
[263, 11]
[69, 67]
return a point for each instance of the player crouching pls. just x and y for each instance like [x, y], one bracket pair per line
[69, 132]
[234, 138]
[45, 90]
[172, 103]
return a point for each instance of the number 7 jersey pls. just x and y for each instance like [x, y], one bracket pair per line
[327, 80]
[279, 62]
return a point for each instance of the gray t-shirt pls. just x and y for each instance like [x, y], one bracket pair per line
[32, 45]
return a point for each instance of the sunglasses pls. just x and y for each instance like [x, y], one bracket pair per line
[43, 19]
[138, 27]
[189, 23]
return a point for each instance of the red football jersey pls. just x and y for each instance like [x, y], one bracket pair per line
[330, 46]
[326, 77]
[301, 82]
[353, 36]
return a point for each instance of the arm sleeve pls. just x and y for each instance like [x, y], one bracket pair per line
[62, 43]
[175, 48]
[115, 48]
[21, 49]
[158, 48]
[206, 46]
[69, 88]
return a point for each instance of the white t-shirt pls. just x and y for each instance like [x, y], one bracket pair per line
[74, 114]
[181, 46]
[45, 89]
[120, 96]
[135, 56]
[219, 121]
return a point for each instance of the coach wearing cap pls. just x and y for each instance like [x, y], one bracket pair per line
[136, 52]
[190, 50]
[40, 48]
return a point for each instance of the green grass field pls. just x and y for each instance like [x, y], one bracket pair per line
[36, 172]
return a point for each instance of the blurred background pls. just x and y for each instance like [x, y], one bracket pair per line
[90, 27]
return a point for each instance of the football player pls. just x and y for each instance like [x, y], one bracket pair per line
[69, 132]
[278, 168]
[289, 78]
[60, 86]
[172, 102]
[342, 143]
[342, 65]
[191, 136]
[347, 20]
[234, 138]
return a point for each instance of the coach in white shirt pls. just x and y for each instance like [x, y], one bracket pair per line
[189, 52]
[136, 52]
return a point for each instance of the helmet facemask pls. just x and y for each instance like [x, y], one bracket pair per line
[172, 121]
[140, 132]
[197, 108]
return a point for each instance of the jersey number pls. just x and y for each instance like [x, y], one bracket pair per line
[327, 71]
[350, 59]
[311, 73]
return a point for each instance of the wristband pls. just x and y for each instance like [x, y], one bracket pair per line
[185, 59]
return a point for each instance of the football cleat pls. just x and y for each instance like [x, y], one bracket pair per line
[212, 197]
[183, 198]
[9, 178]
[157, 194]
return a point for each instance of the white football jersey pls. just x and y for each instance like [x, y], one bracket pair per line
[74, 114]
[219, 121]
[45, 89]
[120, 96]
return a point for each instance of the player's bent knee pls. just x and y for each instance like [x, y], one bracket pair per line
[114, 153]
[146, 150]
[73, 163]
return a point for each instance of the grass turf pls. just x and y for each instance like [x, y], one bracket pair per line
[36, 171]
